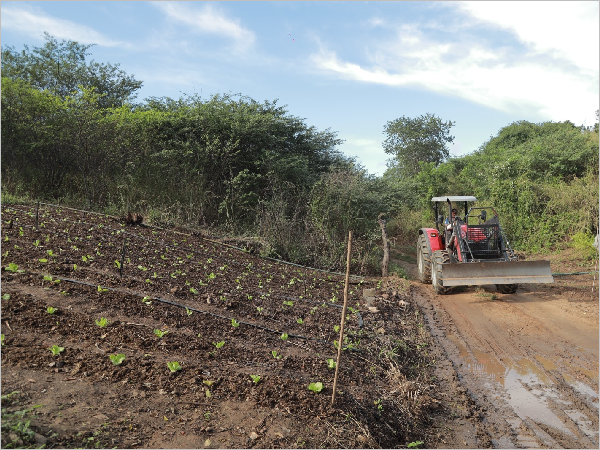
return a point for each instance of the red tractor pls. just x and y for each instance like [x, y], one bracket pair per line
[472, 250]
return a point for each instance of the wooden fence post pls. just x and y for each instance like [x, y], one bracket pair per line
[341, 338]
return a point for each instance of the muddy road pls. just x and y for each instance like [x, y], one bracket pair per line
[528, 360]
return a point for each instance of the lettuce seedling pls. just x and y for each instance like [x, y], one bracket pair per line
[51, 310]
[275, 355]
[284, 337]
[300, 321]
[117, 359]
[235, 323]
[102, 323]
[330, 363]
[316, 387]
[56, 350]
[2, 339]
[100, 289]
[6, 297]
[219, 344]
[174, 366]
[255, 378]
[189, 311]
[12, 267]
[160, 333]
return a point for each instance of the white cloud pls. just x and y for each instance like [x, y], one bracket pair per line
[548, 79]
[207, 20]
[34, 22]
[569, 30]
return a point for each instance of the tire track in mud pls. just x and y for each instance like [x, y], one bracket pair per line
[528, 401]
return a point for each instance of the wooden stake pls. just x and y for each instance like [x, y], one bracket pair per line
[341, 338]
[37, 215]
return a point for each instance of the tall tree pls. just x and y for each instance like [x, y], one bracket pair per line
[61, 67]
[422, 139]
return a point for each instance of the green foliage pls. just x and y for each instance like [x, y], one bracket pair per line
[174, 366]
[160, 333]
[415, 444]
[102, 322]
[412, 141]
[51, 310]
[56, 350]
[255, 378]
[117, 359]
[315, 387]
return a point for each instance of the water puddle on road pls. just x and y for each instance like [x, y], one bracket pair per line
[528, 387]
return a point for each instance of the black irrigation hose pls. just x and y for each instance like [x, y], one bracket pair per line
[573, 273]
[170, 302]
[360, 319]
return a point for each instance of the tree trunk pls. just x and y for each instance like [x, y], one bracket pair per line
[386, 246]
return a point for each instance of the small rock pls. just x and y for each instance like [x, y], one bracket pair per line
[372, 309]
[380, 330]
[52, 364]
[39, 439]
[162, 392]
[209, 429]
[253, 436]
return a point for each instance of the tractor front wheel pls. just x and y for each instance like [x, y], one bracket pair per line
[423, 260]
[507, 288]
[439, 257]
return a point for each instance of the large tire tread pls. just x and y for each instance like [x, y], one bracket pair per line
[423, 260]
[439, 257]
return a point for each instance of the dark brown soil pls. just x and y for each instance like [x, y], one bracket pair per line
[395, 385]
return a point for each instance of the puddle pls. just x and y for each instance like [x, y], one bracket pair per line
[527, 385]
[583, 423]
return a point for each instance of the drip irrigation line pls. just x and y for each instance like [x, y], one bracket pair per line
[170, 302]
[573, 273]
[360, 319]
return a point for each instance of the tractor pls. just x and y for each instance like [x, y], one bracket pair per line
[472, 249]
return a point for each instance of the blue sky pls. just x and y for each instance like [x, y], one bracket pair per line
[348, 66]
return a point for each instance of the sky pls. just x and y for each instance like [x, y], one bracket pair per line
[347, 66]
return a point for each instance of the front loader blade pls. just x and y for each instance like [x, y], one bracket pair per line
[496, 272]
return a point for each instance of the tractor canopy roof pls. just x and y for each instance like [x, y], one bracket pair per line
[454, 198]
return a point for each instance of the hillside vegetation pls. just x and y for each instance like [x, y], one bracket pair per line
[252, 170]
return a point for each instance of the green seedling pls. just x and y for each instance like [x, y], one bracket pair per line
[74, 266]
[2, 339]
[117, 359]
[255, 378]
[6, 297]
[147, 301]
[209, 383]
[189, 311]
[160, 333]
[275, 355]
[100, 289]
[336, 328]
[211, 276]
[378, 404]
[43, 260]
[50, 252]
[117, 264]
[288, 303]
[56, 350]
[284, 337]
[219, 344]
[12, 267]
[174, 366]
[51, 310]
[36, 243]
[102, 322]
[259, 309]
[315, 387]
[193, 291]
[415, 444]
[235, 323]
[47, 278]
[330, 363]
[300, 321]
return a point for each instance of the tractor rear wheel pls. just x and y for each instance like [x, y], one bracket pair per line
[423, 260]
[507, 288]
[439, 257]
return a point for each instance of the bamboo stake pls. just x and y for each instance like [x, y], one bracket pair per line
[341, 338]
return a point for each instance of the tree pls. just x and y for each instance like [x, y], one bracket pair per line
[61, 67]
[412, 141]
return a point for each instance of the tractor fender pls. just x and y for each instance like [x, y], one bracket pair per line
[433, 239]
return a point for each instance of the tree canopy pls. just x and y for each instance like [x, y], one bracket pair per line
[412, 141]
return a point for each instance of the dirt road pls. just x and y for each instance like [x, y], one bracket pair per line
[528, 360]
